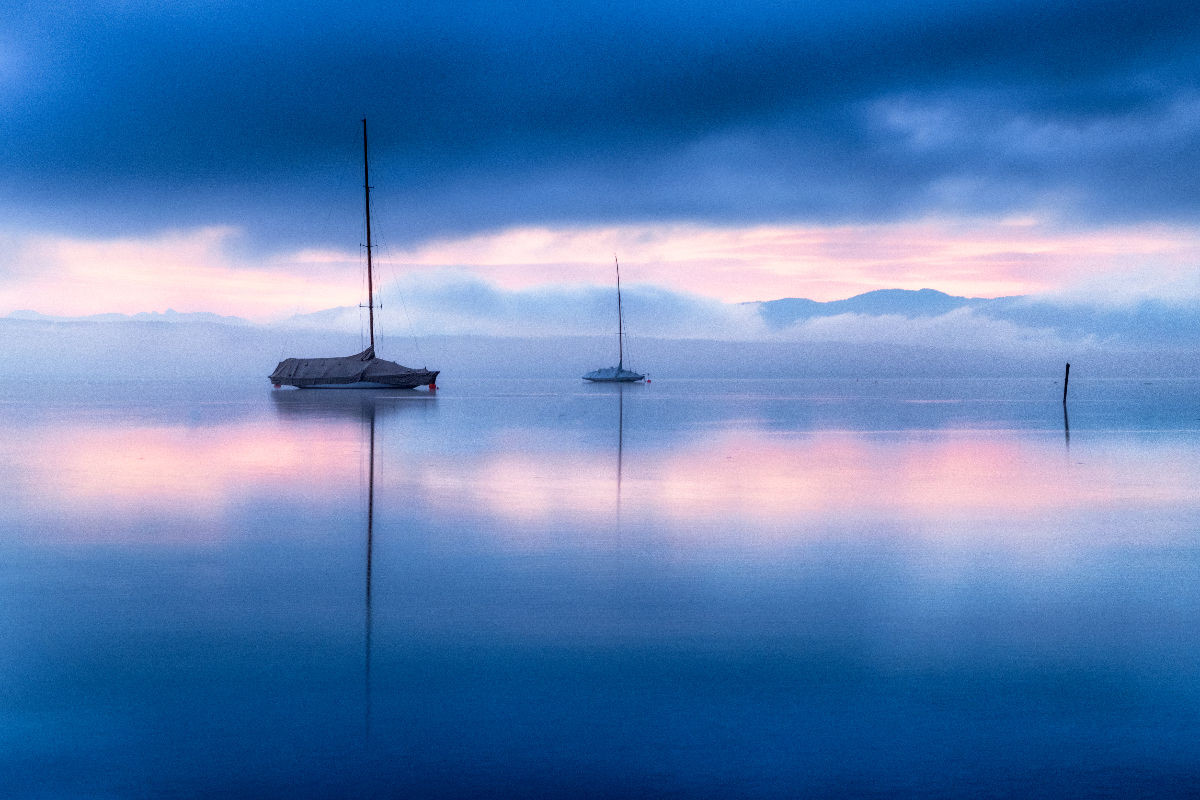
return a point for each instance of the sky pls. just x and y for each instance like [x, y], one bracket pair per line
[206, 156]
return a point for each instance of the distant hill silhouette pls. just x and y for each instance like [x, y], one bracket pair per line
[1146, 321]
[898, 302]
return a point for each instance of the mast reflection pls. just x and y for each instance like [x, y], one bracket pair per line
[620, 444]
[370, 546]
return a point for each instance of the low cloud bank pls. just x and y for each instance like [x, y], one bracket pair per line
[469, 327]
[960, 329]
[458, 303]
[453, 303]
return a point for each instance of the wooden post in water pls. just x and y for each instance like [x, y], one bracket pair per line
[1066, 379]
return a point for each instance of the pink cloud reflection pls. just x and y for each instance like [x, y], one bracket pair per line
[738, 489]
[777, 488]
[195, 478]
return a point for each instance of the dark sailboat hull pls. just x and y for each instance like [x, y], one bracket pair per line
[362, 371]
[410, 381]
[613, 375]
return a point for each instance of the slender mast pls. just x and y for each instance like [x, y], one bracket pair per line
[370, 278]
[620, 320]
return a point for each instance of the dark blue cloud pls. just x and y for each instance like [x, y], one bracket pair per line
[127, 116]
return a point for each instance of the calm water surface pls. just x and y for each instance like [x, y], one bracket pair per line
[547, 588]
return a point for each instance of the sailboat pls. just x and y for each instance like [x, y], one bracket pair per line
[617, 374]
[362, 370]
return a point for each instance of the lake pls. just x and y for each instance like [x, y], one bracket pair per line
[758, 589]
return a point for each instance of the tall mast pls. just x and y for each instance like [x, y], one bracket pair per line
[370, 278]
[620, 321]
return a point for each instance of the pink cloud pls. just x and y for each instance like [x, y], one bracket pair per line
[979, 259]
[183, 270]
[197, 271]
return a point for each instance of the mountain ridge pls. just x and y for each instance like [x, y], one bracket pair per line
[907, 302]
[911, 303]
[1148, 321]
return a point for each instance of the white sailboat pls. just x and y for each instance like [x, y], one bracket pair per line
[617, 374]
[361, 370]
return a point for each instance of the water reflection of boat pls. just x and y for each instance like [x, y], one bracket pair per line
[620, 443]
[362, 404]
[362, 370]
[617, 374]
[370, 546]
